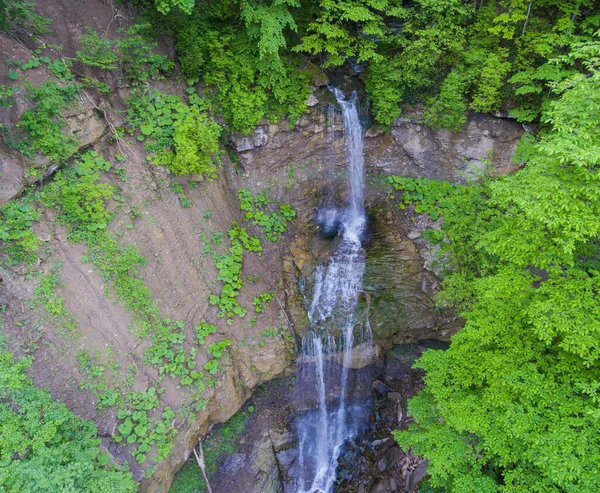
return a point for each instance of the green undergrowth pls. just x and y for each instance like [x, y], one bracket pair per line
[80, 196]
[260, 209]
[230, 273]
[221, 442]
[181, 137]
[41, 128]
[131, 54]
[19, 242]
[21, 13]
[461, 207]
[260, 302]
[44, 446]
[44, 294]
[98, 379]
[60, 68]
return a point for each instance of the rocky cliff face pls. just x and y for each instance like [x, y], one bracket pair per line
[305, 166]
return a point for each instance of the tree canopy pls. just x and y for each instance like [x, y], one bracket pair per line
[452, 55]
[514, 403]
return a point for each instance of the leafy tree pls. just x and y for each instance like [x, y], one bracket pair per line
[238, 50]
[513, 404]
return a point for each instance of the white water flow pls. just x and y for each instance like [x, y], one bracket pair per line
[329, 346]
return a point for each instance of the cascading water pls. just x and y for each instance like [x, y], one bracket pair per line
[328, 348]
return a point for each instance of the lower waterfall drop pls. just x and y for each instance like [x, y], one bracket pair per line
[328, 347]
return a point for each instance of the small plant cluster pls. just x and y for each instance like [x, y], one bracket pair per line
[42, 127]
[183, 198]
[44, 294]
[182, 138]
[139, 428]
[203, 330]
[259, 302]
[216, 350]
[18, 240]
[95, 381]
[131, 53]
[274, 223]
[169, 356]
[60, 68]
[7, 96]
[429, 196]
[79, 195]
[230, 271]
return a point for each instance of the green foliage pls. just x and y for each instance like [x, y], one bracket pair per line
[450, 54]
[165, 6]
[448, 110]
[42, 127]
[18, 239]
[180, 137]
[235, 47]
[95, 381]
[273, 223]
[487, 94]
[517, 391]
[259, 302]
[131, 53]
[348, 29]
[7, 97]
[21, 13]
[230, 272]
[60, 68]
[138, 427]
[203, 330]
[430, 196]
[79, 196]
[384, 90]
[44, 446]
[183, 198]
[97, 52]
[216, 350]
[45, 294]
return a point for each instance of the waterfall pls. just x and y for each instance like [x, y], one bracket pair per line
[323, 432]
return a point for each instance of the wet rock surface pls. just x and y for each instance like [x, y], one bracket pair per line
[370, 462]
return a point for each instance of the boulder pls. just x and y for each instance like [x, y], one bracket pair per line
[418, 474]
[381, 387]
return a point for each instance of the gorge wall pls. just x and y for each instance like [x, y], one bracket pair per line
[303, 167]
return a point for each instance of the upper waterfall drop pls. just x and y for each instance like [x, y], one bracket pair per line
[338, 288]
[354, 217]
